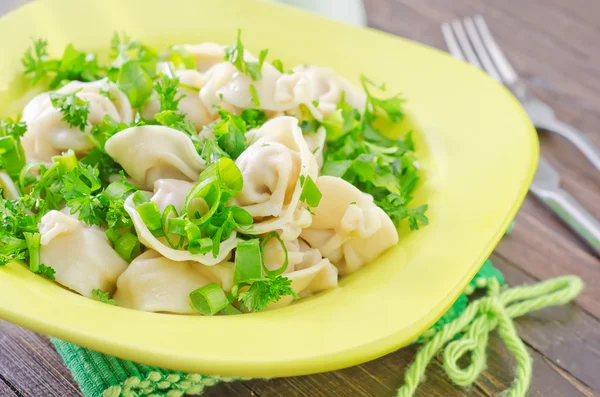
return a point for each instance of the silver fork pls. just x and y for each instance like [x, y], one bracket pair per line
[480, 49]
[470, 40]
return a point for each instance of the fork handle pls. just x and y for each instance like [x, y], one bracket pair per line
[578, 139]
[573, 214]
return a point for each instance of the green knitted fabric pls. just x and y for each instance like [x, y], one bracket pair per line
[100, 375]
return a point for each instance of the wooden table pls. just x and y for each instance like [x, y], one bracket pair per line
[554, 46]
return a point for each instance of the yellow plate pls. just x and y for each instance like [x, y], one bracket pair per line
[476, 146]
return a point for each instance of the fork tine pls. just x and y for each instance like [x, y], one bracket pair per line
[504, 67]
[464, 43]
[480, 50]
[451, 42]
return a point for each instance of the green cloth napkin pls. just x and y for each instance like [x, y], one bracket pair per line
[100, 375]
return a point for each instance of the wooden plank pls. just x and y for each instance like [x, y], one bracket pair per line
[544, 252]
[5, 390]
[29, 363]
[568, 336]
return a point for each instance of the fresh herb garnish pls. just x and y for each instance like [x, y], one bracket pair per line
[230, 133]
[81, 190]
[171, 119]
[384, 168]
[75, 110]
[103, 297]
[10, 127]
[74, 65]
[235, 55]
[168, 96]
[311, 195]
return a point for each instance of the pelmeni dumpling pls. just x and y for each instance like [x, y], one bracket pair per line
[173, 192]
[220, 274]
[316, 144]
[348, 228]
[206, 54]
[190, 103]
[80, 254]
[307, 269]
[154, 283]
[151, 152]
[47, 135]
[271, 168]
[280, 92]
[326, 87]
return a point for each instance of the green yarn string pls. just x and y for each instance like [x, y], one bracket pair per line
[463, 330]
[494, 311]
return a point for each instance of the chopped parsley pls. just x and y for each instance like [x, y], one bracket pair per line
[103, 297]
[235, 55]
[359, 153]
[169, 98]
[74, 109]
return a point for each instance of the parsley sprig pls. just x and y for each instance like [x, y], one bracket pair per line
[359, 153]
[235, 55]
[75, 110]
[103, 296]
[73, 65]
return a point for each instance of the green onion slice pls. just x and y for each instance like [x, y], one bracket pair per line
[12, 154]
[230, 310]
[168, 214]
[248, 261]
[33, 245]
[280, 270]
[210, 191]
[209, 300]
[149, 213]
[229, 176]
[67, 161]
[128, 246]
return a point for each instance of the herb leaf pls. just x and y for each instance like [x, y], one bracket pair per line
[74, 109]
[103, 297]
[264, 291]
[230, 133]
[80, 191]
[166, 88]
[235, 55]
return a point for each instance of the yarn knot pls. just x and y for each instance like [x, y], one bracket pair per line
[468, 335]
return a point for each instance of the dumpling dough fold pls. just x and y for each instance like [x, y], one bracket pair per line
[272, 167]
[173, 192]
[152, 152]
[80, 254]
[47, 135]
[153, 283]
[348, 228]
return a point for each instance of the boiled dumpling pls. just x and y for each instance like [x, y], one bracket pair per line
[326, 87]
[153, 283]
[220, 274]
[316, 144]
[317, 88]
[206, 54]
[190, 103]
[212, 83]
[271, 168]
[80, 254]
[348, 228]
[307, 269]
[152, 152]
[173, 192]
[47, 135]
